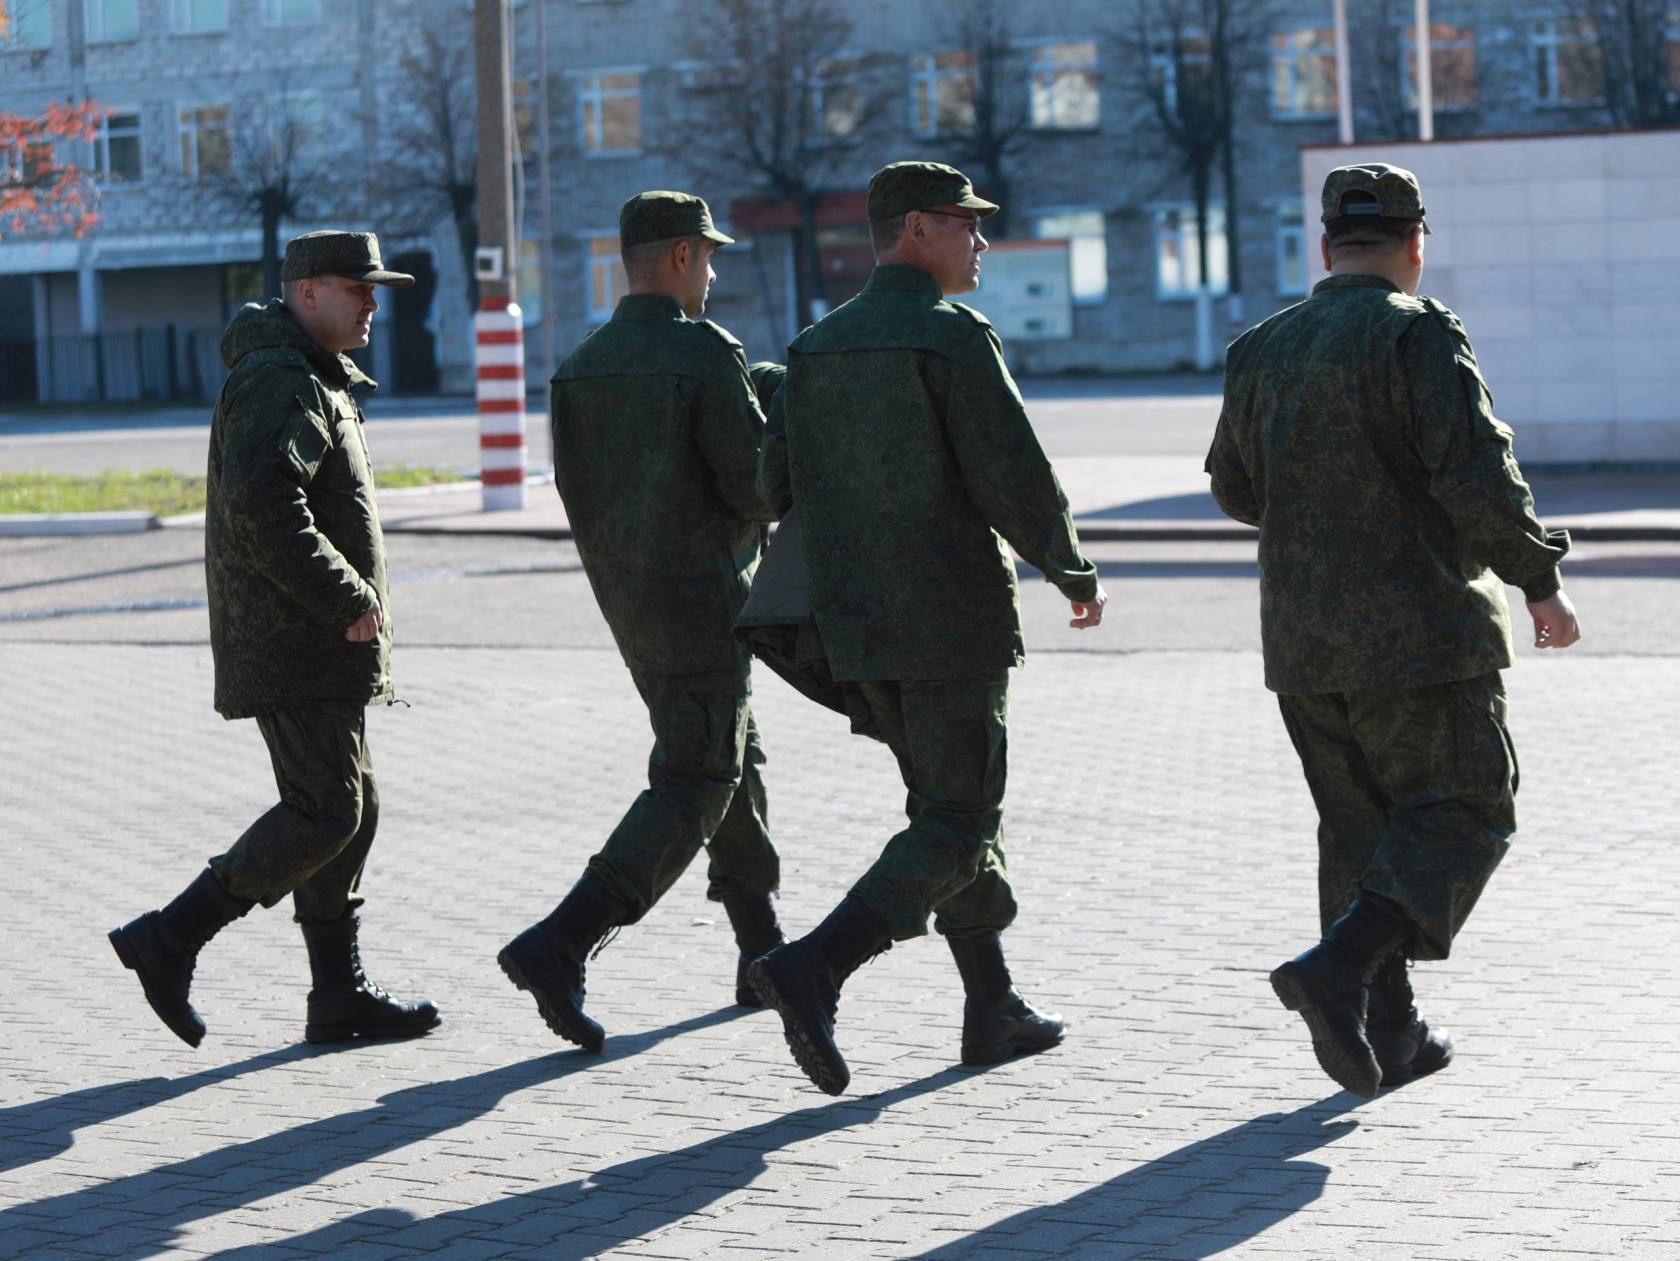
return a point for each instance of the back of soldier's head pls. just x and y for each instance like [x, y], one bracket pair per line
[1362, 234]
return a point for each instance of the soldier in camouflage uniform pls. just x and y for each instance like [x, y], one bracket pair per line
[300, 630]
[1359, 435]
[902, 442]
[656, 436]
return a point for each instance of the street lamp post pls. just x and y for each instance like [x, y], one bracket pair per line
[499, 352]
[1425, 75]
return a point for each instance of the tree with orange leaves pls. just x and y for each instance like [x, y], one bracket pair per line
[40, 196]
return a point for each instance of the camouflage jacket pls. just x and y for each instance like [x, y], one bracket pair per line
[1359, 435]
[293, 555]
[904, 443]
[656, 435]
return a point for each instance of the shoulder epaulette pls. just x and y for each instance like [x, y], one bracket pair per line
[720, 332]
[1444, 313]
[969, 311]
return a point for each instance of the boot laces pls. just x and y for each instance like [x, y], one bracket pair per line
[612, 935]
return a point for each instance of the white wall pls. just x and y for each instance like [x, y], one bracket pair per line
[1561, 254]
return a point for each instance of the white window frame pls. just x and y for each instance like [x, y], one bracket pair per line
[602, 272]
[1088, 248]
[102, 146]
[1291, 226]
[190, 126]
[42, 29]
[1047, 120]
[925, 78]
[1544, 40]
[180, 12]
[820, 85]
[273, 9]
[1186, 242]
[1408, 52]
[93, 18]
[1290, 56]
[591, 93]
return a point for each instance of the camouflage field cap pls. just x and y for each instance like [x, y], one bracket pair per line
[1395, 189]
[900, 187]
[353, 255]
[660, 216]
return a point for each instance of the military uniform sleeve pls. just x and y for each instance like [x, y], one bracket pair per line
[775, 484]
[1233, 488]
[1473, 474]
[729, 429]
[1005, 470]
[276, 440]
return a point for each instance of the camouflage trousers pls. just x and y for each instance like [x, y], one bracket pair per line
[314, 844]
[705, 788]
[1415, 790]
[951, 740]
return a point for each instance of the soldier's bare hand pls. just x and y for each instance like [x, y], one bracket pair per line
[1086, 615]
[366, 627]
[1555, 625]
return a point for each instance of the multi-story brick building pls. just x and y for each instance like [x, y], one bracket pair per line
[616, 96]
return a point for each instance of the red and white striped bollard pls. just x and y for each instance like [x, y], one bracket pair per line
[500, 327]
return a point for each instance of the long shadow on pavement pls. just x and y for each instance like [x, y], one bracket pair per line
[574, 1220]
[1199, 1200]
[129, 1218]
[1193, 1203]
[41, 1129]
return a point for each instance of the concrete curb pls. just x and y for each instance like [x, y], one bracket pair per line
[35, 524]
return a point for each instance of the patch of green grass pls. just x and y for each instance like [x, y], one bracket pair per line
[401, 476]
[156, 490]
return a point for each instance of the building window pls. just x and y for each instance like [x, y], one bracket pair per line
[205, 150]
[1568, 66]
[610, 113]
[291, 12]
[834, 99]
[116, 149]
[1304, 73]
[524, 95]
[1291, 250]
[1452, 66]
[195, 16]
[28, 24]
[111, 21]
[1064, 86]
[1087, 240]
[528, 282]
[942, 87]
[607, 281]
[296, 131]
[1176, 272]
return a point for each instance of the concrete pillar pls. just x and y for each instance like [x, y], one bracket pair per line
[88, 295]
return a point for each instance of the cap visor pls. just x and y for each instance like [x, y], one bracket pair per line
[971, 202]
[396, 279]
[712, 234]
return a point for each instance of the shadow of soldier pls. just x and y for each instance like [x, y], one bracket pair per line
[1193, 1203]
[138, 1216]
[43, 1128]
[1199, 1200]
[574, 1220]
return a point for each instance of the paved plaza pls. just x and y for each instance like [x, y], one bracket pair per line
[1162, 842]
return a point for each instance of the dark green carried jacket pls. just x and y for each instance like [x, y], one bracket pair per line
[656, 435]
[1359, 435]
[293, 554]
[906, 447]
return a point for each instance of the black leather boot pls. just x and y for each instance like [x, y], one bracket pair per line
[546, 960]
[801, 981]
[162, 947]
[1405, 1046]
[1326, 985]
[997, 1022]
[753, 917]
[344, 1004]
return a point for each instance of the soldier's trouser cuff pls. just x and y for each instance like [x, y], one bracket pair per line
[933, 866]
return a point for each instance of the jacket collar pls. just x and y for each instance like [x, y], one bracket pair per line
[897, 278]
[257, 327]
[1356, 282]
[648, 306]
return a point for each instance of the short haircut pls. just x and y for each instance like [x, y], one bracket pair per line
[641, 262]
[885, 234]
[1368, 233]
